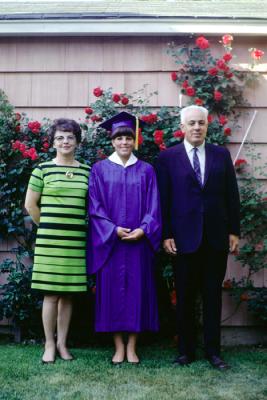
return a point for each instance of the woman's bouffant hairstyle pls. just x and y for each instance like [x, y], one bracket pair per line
[65, 125]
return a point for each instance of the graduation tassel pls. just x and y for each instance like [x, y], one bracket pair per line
[136, 133]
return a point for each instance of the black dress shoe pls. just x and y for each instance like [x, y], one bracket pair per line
[116, 363]
[48, 362]
[183, 361]
[218, 363]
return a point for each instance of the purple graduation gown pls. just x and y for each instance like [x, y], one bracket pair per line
[125, 286]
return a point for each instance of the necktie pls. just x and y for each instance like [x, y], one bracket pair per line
[197, 166]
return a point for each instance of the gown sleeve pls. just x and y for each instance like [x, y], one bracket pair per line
[151, 221]
[102, 234]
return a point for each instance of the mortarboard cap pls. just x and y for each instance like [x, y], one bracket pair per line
[123, 119]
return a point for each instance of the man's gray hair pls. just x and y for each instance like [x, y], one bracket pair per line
[184, 111]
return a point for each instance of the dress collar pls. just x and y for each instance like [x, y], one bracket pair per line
[117, 160]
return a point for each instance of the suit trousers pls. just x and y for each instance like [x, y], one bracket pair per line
[201, 272]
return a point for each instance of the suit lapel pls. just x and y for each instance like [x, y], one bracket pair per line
[186, 162]
[208, 162]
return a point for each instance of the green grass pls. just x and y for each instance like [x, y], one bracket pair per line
[91, 376]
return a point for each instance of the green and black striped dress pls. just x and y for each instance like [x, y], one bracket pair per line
[59, 257]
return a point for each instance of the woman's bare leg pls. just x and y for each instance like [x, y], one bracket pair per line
[119, 348]
[49, 317]
[131, 348]
[63, 323]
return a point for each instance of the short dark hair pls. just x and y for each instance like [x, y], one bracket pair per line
[123, 131]
[65, 125]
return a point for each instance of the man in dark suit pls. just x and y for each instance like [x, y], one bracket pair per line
[200, 205]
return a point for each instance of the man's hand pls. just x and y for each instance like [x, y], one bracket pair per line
[123, 232]
[233, 243]
[136, 234]
[169, 246]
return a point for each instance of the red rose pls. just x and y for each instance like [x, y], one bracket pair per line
[227, 131]
[34, 126]
[34, 156]
[227, 57]
[17, 128]
[256, 54]
[88, 110]
[22, 147]
[178, 134]
[45, 145]
[217, 95]
[190, 91]
[158, 137]
[227, 284]
[32, 153]
[140, 140]
[18, 116]
[228, 75]
[240, 162]
[223, 120]
[221, 65]
[16, 145]
[124, 101]
[174, 76]
[202, 42]
[96, 118]
[198, 101]
[150, 119]
[213, 71]
[140, 137]
[227, 39]
[116, 97]
[185, 84]
[162, 146]
[210, 119]
[98, 91]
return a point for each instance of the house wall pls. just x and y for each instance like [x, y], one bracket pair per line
[55, 77]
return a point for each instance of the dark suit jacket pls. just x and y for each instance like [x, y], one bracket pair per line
[188, 208]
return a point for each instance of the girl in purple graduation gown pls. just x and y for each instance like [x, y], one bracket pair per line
[124, 234]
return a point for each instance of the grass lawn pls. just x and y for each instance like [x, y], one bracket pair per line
[91, 376]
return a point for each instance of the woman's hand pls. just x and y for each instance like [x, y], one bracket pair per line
[136, 234]
[123, 232]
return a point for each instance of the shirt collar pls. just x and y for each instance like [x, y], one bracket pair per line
[188, 146]
[117, 160]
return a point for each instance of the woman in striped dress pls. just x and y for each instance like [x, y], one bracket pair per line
[55, 199]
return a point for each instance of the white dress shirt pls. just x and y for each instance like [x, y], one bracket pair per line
[117, 160]
[201, 156]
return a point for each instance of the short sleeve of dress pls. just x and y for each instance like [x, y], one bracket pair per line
[36, 182]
